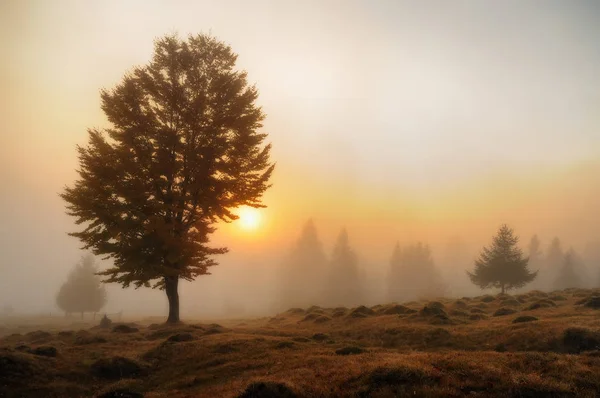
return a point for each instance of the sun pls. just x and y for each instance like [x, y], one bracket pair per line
[249, 218]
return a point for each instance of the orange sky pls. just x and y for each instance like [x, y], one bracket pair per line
[402, 121]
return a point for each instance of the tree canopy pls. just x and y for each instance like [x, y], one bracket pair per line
[83, 291]
[182, 151]
[502, 265]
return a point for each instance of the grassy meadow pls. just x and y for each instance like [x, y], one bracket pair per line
[527, 345]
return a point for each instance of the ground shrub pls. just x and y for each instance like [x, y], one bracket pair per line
[460, 304]
[214, 328]
[310, 317]
[477, 317]
[477, 311]
[268, 389]
[226, 348]
[434, 308]
[557, 297]
[83, 339]
[511, 302]
[395, 380]
[361, 312]
[301, 339]
[437, 336]
[541, 304]
[320, 337]
[121, 392]
[181, 337]
[397, 310]
[45, 351]
[116, 368]
[487, 299]
[322, 319]
[126, 388]
[576, 340]
[440, 319]
[350, 350]
[285, 344]
[124, 329]
[524, 318]
[593, 302]
[500, 347]
[459, 313]
[15, 365]
[504, 311]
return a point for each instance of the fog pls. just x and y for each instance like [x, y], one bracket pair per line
[402, 122]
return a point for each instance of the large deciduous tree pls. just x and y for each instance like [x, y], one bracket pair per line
[183, 150]
[83, 291]
[502, 265]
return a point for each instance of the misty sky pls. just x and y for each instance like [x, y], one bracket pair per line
[407, 121]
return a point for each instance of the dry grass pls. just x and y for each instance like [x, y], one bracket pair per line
[433, 349]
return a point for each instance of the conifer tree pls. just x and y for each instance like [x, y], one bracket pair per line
[182, 152]
[345, 286]
[535, 254]
[568, 275]
[502, 265]
[555, 255]
[83, 291]
[413, 273]
[304, 269]
[536, 261]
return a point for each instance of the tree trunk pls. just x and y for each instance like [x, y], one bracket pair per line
[82, 315]
[171, 286]
[503, 288]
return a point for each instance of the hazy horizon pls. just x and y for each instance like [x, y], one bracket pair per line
[403, 122]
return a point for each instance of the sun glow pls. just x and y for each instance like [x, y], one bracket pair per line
[249, 218]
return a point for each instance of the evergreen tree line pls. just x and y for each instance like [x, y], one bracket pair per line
[311, 277]
[562, 269]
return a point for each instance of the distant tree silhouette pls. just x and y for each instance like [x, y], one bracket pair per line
[536, 261]
[83, 291]
[304, 270]
[555, 254]
[183, 151]
[592, 258]
[345, 286]
[535, 254]
[568, 275]
[552, 263]
[502, 265]
[7, 310]
[413, 273]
